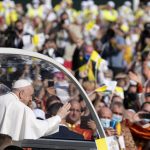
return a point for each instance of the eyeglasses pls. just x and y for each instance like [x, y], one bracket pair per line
[75, 110]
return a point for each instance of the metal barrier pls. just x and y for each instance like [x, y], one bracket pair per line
[55, 144]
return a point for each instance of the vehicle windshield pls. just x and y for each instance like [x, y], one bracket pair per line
[51, 87]
[3, 89]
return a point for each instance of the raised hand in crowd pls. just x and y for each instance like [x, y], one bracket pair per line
[133, 76]
[64, 111]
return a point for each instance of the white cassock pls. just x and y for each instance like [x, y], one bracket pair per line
[19, 121]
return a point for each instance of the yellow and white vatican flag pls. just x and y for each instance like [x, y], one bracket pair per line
[90, 74]
[94, 64]
[108, 143]
[101, 89]
[35, 39]
[100, 63]
[96, 60]
[38, 39]
[108, 86]
[83, 71]
[87, 71]
[119, 92]
[94, 56]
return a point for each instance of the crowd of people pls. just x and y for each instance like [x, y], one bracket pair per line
[106, 48]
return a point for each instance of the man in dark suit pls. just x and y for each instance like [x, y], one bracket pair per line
[64, 133]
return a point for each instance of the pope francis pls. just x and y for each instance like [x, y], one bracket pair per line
[19, 121]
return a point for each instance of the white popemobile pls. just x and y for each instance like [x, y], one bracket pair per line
[10, 57]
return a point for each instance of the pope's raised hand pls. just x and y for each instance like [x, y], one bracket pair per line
[64, 111]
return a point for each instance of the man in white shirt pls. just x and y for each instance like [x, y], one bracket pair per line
[18, 120]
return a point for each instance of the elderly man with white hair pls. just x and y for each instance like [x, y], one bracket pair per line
[18, 120]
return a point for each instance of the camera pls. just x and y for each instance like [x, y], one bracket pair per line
[51, 83]
[144, 116]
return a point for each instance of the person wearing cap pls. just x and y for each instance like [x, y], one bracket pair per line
[109, 13]
[126, 12]
[19, 121]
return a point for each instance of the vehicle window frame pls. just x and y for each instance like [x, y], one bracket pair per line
[20, 52]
